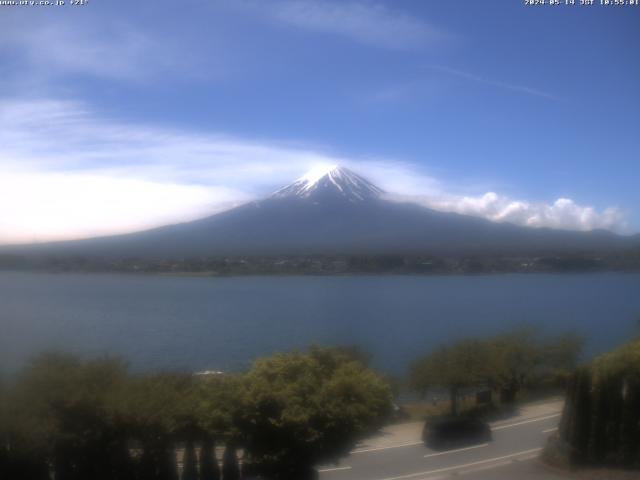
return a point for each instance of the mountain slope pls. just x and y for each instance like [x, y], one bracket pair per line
[336, 212]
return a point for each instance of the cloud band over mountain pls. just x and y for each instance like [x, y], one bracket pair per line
[66, 172]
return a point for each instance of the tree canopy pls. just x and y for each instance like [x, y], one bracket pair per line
[299, 409]
[93, 419]
[505, 362]
[600, 424]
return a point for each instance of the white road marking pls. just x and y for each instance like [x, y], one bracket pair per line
[464, 465]
[335, 469]
[539, 419]
[456, 450]
[550, 430]
[375, 449]
[526, 457]
[483, 468]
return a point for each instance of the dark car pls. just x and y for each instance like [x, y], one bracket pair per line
[451, 432]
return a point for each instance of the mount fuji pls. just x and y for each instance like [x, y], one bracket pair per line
[335, 211]
[334, 183]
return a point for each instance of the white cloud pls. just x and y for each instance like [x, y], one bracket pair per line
[38, 206]
[494, 83]
[363, 21]
[66, 172]
[44, 47]
[563, 213]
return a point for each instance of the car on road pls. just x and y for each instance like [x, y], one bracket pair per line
[450, 432]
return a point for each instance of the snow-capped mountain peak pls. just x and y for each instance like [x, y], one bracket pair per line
[330, 182]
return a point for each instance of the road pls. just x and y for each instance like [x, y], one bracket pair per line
[515, 443]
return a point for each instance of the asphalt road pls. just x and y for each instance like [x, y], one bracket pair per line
[515, 443]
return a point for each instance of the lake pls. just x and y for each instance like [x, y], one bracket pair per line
[163, 322]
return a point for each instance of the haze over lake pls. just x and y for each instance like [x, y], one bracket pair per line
[157, 322]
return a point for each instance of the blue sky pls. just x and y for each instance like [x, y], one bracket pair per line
[121, 115]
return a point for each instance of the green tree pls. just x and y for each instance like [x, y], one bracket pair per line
[216, 399]
[563, 352]
[461, 365]
[160, 411]
[300, 409]
[331, 356]
[514, 357]
[505, 362]
[61, 413]
[523, 357]
[217, 406]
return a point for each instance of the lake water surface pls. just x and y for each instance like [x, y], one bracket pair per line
[224, 323]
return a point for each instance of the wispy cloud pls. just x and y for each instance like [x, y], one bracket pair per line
[43, 47]
[366, 22]
[106, 176]
[493, 83]
[98, 144]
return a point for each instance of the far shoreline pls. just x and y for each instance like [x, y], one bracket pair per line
[208, 274]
